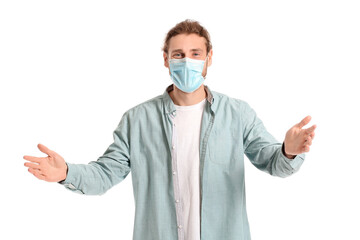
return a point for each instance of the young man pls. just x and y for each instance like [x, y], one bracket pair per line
[185, 149]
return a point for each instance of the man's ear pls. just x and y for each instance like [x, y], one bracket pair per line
[210, 57]
[166, 62]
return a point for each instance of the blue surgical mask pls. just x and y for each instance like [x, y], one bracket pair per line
[186, 73]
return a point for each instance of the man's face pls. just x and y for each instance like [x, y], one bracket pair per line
[188, 45]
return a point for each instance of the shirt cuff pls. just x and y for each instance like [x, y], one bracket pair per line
[296, 162]
[69, 181]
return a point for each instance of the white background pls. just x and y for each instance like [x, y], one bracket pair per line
[70, 69]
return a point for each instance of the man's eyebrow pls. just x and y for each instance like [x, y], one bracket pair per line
[193, 50]
[177, 50]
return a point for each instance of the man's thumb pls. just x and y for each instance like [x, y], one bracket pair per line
[303, 122]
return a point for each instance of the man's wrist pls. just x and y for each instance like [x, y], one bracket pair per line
[285, 154]
[66, 173]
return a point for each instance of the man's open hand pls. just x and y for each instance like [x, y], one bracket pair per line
[51, 168]
[298, 140]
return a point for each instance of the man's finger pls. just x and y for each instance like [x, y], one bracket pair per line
[37, 174]
[306, 148]
[32, 165]
[310, 129]
[312, 135]
[303, 122]
[33, 159]
[308, 141]
[44, 149]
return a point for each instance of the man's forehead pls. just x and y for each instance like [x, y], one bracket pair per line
[187, 42]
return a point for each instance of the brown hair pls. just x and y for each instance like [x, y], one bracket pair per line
[188, 26]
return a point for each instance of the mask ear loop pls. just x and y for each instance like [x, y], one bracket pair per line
[168, 59]
[206, 62]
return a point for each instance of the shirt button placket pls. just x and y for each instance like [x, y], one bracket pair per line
[176, 183]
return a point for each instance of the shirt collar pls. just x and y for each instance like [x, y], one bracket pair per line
[169, 104]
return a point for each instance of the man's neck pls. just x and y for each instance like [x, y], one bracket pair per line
[181, 98]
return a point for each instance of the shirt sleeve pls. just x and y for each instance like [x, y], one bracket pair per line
[263, 150]
[96, 177]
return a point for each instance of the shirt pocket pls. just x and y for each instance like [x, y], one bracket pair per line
[224, 147]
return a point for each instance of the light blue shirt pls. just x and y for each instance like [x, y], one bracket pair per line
[142, 145]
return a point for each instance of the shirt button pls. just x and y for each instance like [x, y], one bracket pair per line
[177, 201]
[173, 147]
[179, 226]
[174, 172]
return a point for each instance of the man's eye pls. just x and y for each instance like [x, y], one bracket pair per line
[177, 55]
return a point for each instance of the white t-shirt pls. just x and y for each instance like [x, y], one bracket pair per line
[186, 142]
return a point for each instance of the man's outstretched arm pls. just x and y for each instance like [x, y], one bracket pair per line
[94, 178]
[269, 155]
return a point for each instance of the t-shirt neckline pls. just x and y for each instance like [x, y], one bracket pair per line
[198, 105]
